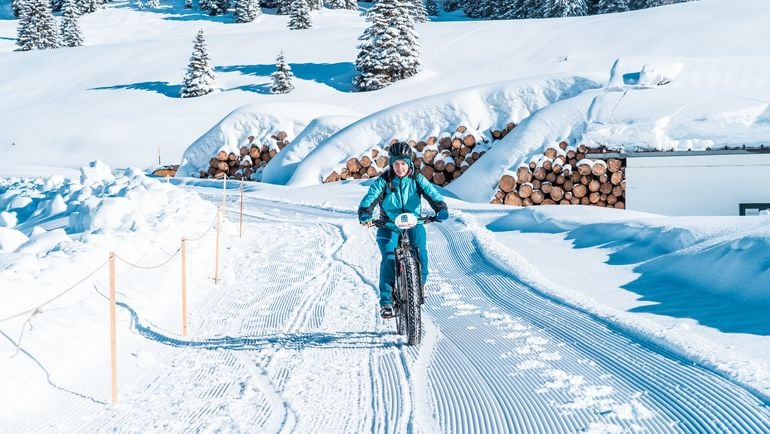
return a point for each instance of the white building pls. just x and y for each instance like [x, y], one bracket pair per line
[719, 183]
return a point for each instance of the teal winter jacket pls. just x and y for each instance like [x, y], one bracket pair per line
[397, 195]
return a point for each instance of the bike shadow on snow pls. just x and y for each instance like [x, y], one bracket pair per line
[361, 339]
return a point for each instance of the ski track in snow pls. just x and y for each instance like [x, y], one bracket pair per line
[291, 342]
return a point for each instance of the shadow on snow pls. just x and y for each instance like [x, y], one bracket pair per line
[291, 340]
[338, 76]
[162, 87]
[671, 284]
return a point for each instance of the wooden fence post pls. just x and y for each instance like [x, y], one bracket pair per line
[240, 232]
[184, 286]
[216, 252]
[113, 331]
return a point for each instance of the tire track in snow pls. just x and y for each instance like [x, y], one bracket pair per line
[343, 274]
[396, 375]
[602, 379]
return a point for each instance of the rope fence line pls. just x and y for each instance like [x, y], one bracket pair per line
[51, 300]
[39, 309]
[149, 267]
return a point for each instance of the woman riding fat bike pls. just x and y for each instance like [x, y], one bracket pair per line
[398, 190]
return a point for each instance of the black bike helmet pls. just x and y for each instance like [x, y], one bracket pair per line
[400, 150]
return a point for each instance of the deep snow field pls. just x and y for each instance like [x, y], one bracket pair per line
[694, 288]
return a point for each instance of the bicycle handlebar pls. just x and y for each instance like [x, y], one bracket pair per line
[380, 223]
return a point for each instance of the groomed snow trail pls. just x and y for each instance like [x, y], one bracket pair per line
[291, 342]
[521, 362]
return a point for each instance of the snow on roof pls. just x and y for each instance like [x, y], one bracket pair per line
[683, 104]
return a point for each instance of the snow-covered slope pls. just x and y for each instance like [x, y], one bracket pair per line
[116, 98]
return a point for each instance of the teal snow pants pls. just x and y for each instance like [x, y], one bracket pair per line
[387, 240]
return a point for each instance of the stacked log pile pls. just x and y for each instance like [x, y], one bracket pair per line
[248, 162]
[441, 160]
[564, 176]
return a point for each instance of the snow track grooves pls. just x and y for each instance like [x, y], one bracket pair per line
[603, 373]
[288, 342]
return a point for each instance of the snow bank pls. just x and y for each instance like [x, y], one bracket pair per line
[98, 202]
[563, 120]
[282, 167]
[257, 120]
[481, 108]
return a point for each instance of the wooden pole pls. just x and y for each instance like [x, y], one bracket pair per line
[240, 232]
[224, 192]
[216, 254]
[184, 286]
[113, 331]
[159, 155]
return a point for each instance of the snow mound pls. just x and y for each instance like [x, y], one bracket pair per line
[257, 120]
[480, 108]
[712, 269]
[11, 239]
[282, 167]
[38, 213]
[632, 242]
[563, 120]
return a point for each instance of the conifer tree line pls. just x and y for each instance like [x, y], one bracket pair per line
[80, 6]
[512, 9]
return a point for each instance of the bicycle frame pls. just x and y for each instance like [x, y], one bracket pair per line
[408, 293]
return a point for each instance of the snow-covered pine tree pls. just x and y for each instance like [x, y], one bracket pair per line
[315, 5]
[352, 5]
[200, 79]
[431, 8]
[152, 4]
[283, 7]
[451, 5]
[223, 5]
[610, 6]
[56, 5]
[511, 9]
[70, 29]
[188, 4]
[37, 27]
[502, 9]
[335, 4]
[282, 76]
[205, 5]
[88, 6]
[246, 11]
[299, 15]
[389, 49]
[591, 6]
[565, 8]
[418, 11]
[17, 6]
